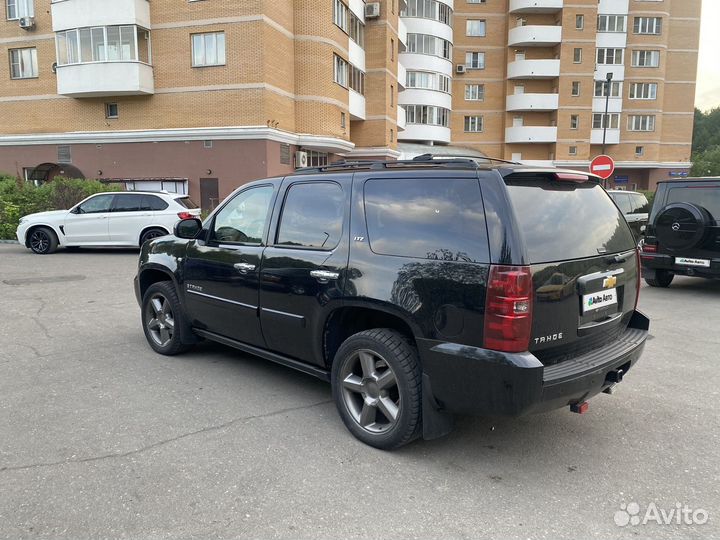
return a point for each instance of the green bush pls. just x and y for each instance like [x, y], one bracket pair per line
[650, 196]
[19, 198]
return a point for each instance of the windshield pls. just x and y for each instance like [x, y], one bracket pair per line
[565, 220]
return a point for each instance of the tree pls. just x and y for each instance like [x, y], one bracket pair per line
[706, 143]
[706, 163]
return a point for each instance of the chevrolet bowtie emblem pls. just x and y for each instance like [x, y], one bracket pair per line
[609, 282]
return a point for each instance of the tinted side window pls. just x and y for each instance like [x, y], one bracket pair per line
[243, 219]
[151, 202]
[640, 203]
[128, 203]
[312, 216]
[99, 203]
[428, 218]
[623, 201]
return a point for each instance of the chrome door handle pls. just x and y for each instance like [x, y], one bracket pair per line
[324, 275]
[244, 268]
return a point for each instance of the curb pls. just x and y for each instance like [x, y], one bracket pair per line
[9, 242]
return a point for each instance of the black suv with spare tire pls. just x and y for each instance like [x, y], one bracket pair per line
[683, 234]
[419, 289]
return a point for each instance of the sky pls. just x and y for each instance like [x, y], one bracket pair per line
[708, 87]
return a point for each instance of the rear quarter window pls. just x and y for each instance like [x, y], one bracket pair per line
[566, 220]
[426, 218]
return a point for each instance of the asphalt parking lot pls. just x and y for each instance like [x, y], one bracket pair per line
[100, 437]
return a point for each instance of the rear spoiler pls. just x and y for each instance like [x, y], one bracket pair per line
[561, 175]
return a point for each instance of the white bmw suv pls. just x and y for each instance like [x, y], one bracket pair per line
[106, 219]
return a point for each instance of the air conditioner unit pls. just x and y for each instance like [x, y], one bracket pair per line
[301, 159]
[27, 22]
[372, 10]
[460, 68]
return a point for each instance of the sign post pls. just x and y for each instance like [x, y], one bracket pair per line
[603, 166]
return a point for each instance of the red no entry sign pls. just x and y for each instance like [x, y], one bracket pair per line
[603, 166]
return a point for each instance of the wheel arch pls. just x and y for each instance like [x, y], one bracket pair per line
[152, 274]
[346, 320]
[31, 228]
[150, 227]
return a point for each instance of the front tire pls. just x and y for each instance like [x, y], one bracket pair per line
[663, 278]
[163, 319]
[43, 241]
[377, 388]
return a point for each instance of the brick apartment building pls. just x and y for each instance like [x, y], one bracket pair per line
[200, 96]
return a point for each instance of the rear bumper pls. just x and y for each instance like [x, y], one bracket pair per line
[660, 261]
[470, 380]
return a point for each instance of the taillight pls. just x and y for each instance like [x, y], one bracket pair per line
[639, 276]
[649, 248]
[185, 215]
[508, 309]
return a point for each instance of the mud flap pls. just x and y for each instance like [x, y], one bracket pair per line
[436, 423]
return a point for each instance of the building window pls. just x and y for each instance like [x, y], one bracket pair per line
[575, 88]
[317, 159]
[208, 49]
[15, 9]
[357, 79]
[356, 30]
[111, 111]
[428, 9]
[392, 49]
[340, 15]
[639, 150]
[392, 135]
[574, 121]
[473, 124]
[579, 22]
[601, 89]
[610, 56]
[342, 120]
[611, 23]
[474, 92]
[23, 63]
[643, 91]
[427, 44]
[428, 81]
[104, 44]
[645, 58]
[392, 95]
[647, 25]
[600, 121]
[340, 71]
[476, 1]
[427, 114]
[572, 150]
[475, 28]
[641, 122]
[577, 55]
[475, 60]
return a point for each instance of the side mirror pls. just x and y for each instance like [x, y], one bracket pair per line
[187, 228]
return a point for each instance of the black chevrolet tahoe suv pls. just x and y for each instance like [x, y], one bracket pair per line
[683, 234]
[419, 289]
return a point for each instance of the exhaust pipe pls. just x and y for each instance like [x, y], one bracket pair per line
[614, 377]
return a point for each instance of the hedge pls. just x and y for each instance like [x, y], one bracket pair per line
[19, 198]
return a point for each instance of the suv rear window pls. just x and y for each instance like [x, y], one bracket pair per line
[706, 196]
[427, 218]
[565, 220]
[187, 202]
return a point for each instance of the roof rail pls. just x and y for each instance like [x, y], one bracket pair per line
[465, 162]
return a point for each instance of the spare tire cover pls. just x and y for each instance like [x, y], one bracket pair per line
[681, 226]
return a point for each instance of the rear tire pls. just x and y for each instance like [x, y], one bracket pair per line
[163, 319]
[377, 388]
[43, 241]
[150, 234]
[663, 278]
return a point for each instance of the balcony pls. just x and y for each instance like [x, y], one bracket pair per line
[402, 35]
[401, 76]
[532, 102]
[356, 105]
[613, 136]
[97, 79]
[534, 69]
[68, 14]
[531, 134]
[535, 36]
[425, 133]
[400, 118]
[535, 6]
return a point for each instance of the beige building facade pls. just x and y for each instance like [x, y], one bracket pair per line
[200, 96]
